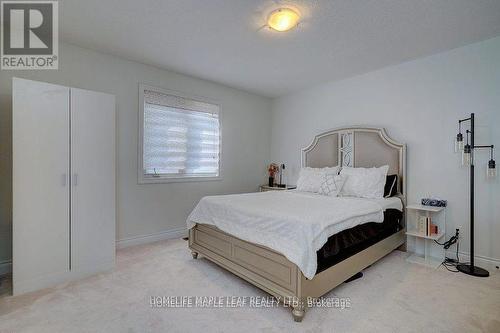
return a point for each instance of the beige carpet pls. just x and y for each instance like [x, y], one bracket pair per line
[393, 296]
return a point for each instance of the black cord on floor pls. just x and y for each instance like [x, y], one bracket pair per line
[450, 263]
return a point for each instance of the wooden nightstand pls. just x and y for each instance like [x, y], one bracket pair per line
[264, 188]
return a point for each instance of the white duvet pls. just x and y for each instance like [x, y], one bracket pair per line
[296, 224]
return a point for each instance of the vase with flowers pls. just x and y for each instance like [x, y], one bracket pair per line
[273, 169]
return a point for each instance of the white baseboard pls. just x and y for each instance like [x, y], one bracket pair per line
[5, 267]
[169, 234]
[482, 261]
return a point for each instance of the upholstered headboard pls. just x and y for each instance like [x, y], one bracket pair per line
[358, 146]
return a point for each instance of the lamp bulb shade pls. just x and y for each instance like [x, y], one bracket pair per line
[491, 171]
[459, 143]
[466, 156]
[283, 19]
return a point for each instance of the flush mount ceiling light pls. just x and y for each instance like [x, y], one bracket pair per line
[283, 19]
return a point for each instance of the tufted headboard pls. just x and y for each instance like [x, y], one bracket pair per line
[358, 146]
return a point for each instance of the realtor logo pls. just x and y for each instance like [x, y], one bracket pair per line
[29, 35]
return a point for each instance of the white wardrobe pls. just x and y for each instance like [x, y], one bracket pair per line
[63, 184]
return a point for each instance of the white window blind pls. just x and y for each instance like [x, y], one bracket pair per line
[181, 137]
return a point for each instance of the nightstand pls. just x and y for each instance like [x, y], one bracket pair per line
[423, 242]
[265, 188]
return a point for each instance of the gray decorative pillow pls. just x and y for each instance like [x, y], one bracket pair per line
[332, 185]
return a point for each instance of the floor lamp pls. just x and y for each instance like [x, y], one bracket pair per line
[468, 160]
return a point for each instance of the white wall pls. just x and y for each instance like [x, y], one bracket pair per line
[418, 102]
[146, 209]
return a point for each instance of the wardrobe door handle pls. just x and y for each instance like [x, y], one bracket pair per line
[75, 179]
[63, 179]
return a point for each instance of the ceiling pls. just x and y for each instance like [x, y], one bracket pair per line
[224, 40]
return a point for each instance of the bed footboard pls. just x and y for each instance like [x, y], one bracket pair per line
[259, 265]
[273, 273]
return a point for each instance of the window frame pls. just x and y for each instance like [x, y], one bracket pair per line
[148, 179]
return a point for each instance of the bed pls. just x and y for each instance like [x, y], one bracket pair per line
[303, 254]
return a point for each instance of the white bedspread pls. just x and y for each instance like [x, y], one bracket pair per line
[296, 224]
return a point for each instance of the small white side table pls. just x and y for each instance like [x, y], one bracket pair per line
[424, 243]
[265, 188]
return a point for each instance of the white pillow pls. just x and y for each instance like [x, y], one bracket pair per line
[310, 179]
[332, 185]
[364, 182]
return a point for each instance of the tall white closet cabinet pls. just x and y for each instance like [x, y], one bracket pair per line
[63, 184]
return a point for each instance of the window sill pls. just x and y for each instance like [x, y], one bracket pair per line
[164, 180]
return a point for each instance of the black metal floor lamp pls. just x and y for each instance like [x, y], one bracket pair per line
[468, 160]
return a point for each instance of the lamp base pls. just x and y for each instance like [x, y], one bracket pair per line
[473, 270]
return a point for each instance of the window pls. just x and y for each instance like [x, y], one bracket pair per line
[180, 137]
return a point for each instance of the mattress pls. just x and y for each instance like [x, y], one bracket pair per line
[293, 223]
[351, 241]
[394, 203]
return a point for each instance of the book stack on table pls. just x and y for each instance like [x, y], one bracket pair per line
[426, 227]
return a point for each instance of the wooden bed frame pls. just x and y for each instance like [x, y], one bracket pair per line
[269, 270]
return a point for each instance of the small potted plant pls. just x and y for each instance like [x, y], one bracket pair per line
[272, 170]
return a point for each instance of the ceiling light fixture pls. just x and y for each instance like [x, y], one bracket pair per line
[283, 19]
